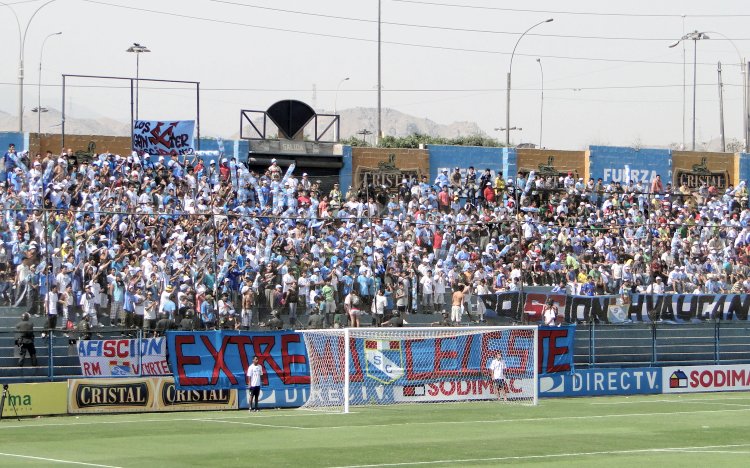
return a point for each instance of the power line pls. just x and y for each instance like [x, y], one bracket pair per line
[449, 28]
[404, 44]
[367, 90]
[568, 12]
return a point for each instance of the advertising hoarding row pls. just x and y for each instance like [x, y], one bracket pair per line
[147, 394]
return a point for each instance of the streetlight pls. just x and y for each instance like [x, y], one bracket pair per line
[503, 129]
[137, 49]
[507, 90]
[39, 109]
[695, 36]
[541, 107]
[21, 46]
[335, 105]
[743, 71]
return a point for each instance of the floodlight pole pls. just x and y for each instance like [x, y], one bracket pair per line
[21, 46]
[695, 36]
[507, 88]
[39, 91]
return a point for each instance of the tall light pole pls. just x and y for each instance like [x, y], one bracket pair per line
[507, 89]
[335, 105]
[694, 36]
[743, 71]
[137, 49]
[39, 108]
[21, 46]
[541, 107]
[380, 87]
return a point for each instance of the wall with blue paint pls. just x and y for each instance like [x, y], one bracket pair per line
[743, 172]
[450, 157]
[21, 140]
[616, 163]
[345, 173]
[232, 148]
[510, 163]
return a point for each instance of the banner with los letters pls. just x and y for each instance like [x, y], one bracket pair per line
[164, 137]
[123, 358]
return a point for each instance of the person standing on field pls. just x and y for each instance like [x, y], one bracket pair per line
[498, 366]
[253, 380]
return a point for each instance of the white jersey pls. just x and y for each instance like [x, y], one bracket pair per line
[254, 374]
[498, 366]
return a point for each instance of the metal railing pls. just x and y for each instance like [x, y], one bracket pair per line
[661, 344]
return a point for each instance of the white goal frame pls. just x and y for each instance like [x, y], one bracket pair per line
[348, 334]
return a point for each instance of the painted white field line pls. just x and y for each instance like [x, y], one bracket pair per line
[662, 400]
[246, 423]
[728, 452]
[53, 460]
[558, 418]
[138, 421]
[411, 423]
[546, 456]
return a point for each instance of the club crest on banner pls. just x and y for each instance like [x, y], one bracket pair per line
[384, 360]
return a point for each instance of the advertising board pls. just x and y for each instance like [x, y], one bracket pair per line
[692, 379]
[602, 382]
[148, 394]
[36, 399]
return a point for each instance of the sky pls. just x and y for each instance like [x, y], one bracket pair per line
[610, 77]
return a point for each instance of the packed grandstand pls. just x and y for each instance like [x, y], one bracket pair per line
[206, 242]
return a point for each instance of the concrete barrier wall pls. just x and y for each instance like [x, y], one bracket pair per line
[387, 166]
[621, 164]
[552, 162]
[450, 157]
[610, 163]
[694, 168]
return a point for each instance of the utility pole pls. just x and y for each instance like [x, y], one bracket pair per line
[721, 112]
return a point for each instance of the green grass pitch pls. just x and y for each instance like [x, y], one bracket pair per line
[658, 430]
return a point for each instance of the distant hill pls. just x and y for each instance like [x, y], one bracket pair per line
[51, 124]
[398, 124]
[395, 124]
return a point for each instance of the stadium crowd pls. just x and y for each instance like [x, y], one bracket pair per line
[202, 242]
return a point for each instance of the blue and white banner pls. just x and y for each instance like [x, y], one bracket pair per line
[219, 359]
[123, 358]
[163, 137]
[602, 382]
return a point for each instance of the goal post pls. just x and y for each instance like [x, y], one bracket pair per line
[384, 366]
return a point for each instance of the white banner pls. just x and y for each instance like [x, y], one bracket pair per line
[691, 379]
[123, 358]
[157, 137]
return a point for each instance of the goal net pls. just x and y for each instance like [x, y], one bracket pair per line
[385, 366]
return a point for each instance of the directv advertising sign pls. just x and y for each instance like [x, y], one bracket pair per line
[692, 379]
[602, 382]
